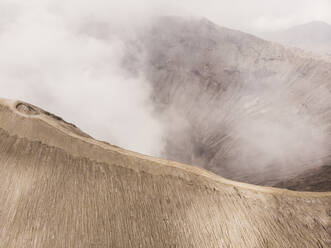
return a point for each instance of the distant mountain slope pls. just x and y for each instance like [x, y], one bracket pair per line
[313, 36]
[317, 179]
[242, 107]
[61, 188]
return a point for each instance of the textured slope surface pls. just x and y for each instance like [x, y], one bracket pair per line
[60, 188]
[242, 107]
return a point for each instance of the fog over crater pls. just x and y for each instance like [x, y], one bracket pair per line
[182, 87]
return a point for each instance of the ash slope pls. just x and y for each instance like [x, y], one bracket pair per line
[61, 188]
[237, 105]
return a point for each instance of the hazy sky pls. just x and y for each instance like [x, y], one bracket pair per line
[49, 58]
[260, 15]
[250, 15]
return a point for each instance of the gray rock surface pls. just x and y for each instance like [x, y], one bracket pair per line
[237, 105]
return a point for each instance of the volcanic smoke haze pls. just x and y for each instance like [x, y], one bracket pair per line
[56, 55]
[67, 57]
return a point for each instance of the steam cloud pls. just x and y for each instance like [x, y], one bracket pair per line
[57, 56]
[65, 56]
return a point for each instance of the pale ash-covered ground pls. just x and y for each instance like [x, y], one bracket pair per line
[242, 107]
[61, 188]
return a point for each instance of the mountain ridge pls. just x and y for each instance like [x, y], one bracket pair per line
[313, 36]
[12, 105]
[62, 189]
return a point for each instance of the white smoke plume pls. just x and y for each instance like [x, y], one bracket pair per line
[65, 56]
[53, 56]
